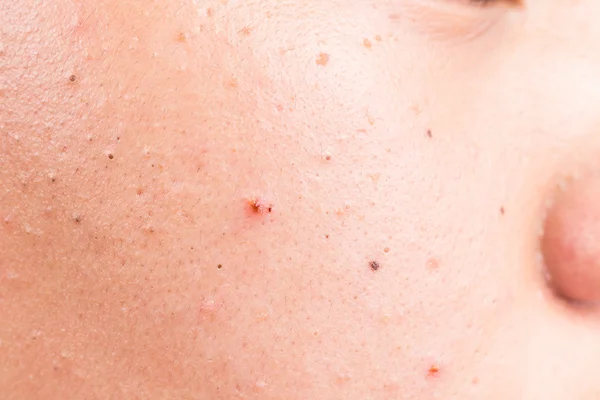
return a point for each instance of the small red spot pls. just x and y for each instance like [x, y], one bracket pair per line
[258, 206]
[434, 370]
[502, 210]
[429, 134]
[433, 263]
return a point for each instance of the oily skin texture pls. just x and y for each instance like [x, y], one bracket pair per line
[124, 190]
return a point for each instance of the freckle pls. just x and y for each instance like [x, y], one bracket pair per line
[233, 83]
[378, 38]
[374, 265]
[77, 218]
[245, 31]
[72, 78]
[502, 210]
[326, 236]
[322, 59]
[433, 264]
[316, 333]
[279, 107]
[367, 43]
[209, 12]
[429, 134]
[375, 177]
[181, 37]
[386, 250]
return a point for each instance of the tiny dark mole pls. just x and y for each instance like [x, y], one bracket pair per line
[72, 78]
[219, 266]
[374, 265]
[111, 156]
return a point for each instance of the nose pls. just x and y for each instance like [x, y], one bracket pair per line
[570, 243]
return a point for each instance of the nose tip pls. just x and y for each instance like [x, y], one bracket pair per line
[570, 243]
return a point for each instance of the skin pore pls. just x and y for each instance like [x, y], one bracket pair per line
[266, 199]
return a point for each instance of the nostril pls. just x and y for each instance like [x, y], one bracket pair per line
[570, 243]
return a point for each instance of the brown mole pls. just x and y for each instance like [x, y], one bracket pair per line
[570, 243]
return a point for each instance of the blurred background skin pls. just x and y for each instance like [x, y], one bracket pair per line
[194, 195]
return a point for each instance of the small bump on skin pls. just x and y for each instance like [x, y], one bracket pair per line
[72, 78]
[374, 265]
[258, 206]
[434, 370]
[570, 241]
[433, 264]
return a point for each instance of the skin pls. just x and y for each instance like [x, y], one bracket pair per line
[570, 242]
[142, 144]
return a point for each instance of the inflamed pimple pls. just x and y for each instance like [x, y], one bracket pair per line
[570, 243]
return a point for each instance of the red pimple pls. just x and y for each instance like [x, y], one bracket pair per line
[258, 206]
[434, 370]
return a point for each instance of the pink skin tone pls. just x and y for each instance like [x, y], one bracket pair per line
[428, 136]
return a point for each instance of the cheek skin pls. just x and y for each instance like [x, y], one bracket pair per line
[276, 200]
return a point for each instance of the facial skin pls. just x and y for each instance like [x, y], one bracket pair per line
[193, 194]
